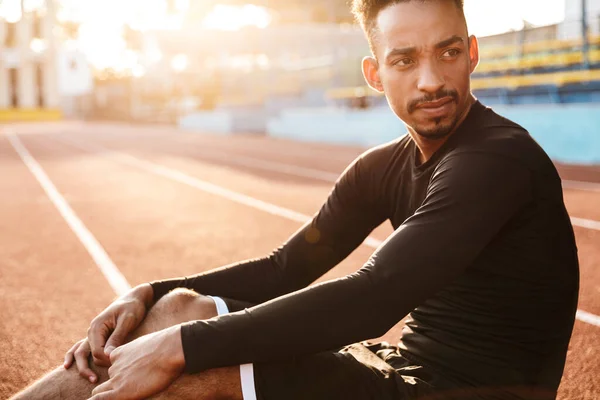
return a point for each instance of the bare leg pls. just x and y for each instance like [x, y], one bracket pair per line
[176, 307]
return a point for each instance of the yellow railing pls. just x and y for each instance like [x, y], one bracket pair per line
[556, 78]
[535, 47]
[29, 114]
[545, 60]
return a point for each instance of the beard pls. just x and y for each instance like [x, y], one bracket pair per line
[440, 129]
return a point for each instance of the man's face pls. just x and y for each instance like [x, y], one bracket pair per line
[424, 63]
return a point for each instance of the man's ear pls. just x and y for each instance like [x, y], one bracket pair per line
[370, 69]
[473, 52]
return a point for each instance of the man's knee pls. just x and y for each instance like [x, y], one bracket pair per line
[176, 307]
[184, 305]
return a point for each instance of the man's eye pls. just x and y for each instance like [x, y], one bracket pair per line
[451, 53]
[403, 62]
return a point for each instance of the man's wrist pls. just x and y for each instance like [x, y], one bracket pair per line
[178, 356]
[145, 293]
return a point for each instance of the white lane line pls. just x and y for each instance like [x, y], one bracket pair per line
[329, 177]
[116, 280]
[585, 223]
[577, 185]
[269, 145]
[207, 187]
[271, 166]
[587, 317]
[325, 176]
[220, 153]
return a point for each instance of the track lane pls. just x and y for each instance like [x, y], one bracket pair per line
[46, 301]
[165, 229]
[102, 260]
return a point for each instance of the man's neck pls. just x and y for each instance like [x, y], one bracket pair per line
[428, 147]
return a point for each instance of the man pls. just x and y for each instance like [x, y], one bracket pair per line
[483, 260]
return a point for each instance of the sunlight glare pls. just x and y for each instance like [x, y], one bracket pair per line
[153, 53]
[233, 18]
[182, 5]
[179, 63]
[103, 51]
[102, 21]
[10, 10]
[138, 71]
[38, 45]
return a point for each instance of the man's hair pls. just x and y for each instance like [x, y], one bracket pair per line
[366, 12]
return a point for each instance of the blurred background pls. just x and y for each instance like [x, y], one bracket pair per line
[286, 68]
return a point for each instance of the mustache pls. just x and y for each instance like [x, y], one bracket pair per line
[440, 94]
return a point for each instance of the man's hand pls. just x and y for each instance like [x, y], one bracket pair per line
[143, 367]
[109, 330]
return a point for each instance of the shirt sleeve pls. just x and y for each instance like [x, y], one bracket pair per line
[343, 222]
[470, 198]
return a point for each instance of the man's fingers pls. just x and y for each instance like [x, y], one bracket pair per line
[125, 325]
[82, 360]
[69, 357]
[97, 335]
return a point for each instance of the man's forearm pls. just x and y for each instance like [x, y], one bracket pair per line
[252, 280]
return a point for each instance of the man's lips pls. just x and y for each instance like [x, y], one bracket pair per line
[436, 104]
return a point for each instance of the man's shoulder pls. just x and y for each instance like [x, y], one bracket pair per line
[379, 155]
[370, 167]
[498, 136]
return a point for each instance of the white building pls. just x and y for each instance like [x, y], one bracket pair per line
[28, 67]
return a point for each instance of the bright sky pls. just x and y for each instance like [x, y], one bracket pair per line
[102, 20]
[488, 17]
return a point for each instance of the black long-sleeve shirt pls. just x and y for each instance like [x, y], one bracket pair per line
[483, 259]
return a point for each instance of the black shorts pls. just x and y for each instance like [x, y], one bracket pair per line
[360, 371]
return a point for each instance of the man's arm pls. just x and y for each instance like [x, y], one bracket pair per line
[470, 198]
[341, 225]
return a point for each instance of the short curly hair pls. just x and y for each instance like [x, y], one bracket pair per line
[366, 12]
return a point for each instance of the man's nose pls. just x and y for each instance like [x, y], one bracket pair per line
[430, 78]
